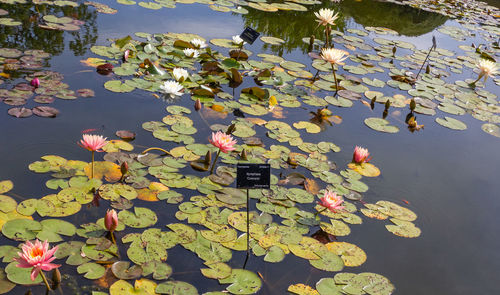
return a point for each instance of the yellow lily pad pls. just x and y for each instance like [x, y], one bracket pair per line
[142, 287]
[365, 169]
[351, 254]
[109, 170]
[301, 289]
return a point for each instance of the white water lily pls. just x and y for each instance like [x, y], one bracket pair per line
[180, 74]
[172, 88]
[487, 68]
[333, 55]
[238, 41]
[325, 16]
[189, 52]
[198, 43]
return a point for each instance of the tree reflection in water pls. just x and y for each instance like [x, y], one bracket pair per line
[30, 36]
[292, 26]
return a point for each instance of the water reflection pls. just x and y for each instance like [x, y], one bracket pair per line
[405, 20]
[30, 36]
[292, 26]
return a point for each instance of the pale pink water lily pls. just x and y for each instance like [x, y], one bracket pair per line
[223, 141]
[93, 142]
[35, 82]
[333, 55]
[326, 17]
[198, 43]
[361, 155]
[190, 52]
[172, 88]
[331, 201]
[238, 41]
[180, 74]
[38, 257]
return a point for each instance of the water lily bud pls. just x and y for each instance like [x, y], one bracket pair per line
[35, 82]
[311, 43]
[56, 278]
[111, 220]
[124, 168]
[208, 158]
[413, 104]
[231, 129]
[412, 122]
[394, 50]
[387, 104]
[197, 105]
[125, 55]
[243, 155]
[427, 69]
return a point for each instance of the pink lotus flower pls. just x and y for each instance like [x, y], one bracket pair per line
[223, 141]
[331, 201]
[93, 143]
[35, 82]
[38, 256]
[111, 220]
[361, 155]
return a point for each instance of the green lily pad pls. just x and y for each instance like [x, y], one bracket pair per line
[141, 218]
[176, 288]
[91, 270]
[5, 186]
[21, 276]
[381, 125]
[21, 229]
[242, 282]
[451, 123]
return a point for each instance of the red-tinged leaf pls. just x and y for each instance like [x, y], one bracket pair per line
[105, 69]
[20, 112]
[46, 112]
[406, 202]
[125, 135]
[89, 130]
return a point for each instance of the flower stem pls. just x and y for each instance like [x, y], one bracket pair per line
[318, 212]
[92, 172]
[112, 237]
[157, 149]
[213, 165]
[45, 280]
[335, 77]
[327, 43]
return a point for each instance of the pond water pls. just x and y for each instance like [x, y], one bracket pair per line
[449, 178]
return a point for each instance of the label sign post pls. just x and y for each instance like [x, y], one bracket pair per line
[249, 35]
[252, 176]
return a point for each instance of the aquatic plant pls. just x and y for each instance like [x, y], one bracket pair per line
[38, 257]
[93, 143]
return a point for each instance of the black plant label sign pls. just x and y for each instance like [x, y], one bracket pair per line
[249, 35]
[253, 176]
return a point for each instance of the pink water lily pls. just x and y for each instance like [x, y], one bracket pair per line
[37, 256]
[331, 201]
[223, 141]
[361, 155]
[93, 143]
[35, 82]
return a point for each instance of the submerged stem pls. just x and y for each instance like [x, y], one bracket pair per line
[213, 165]
[335, 77]
[92, 172]
[45, 280]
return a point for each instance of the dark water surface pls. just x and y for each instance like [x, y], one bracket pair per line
[450, 178]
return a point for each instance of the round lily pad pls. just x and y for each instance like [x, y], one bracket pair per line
[381, 125]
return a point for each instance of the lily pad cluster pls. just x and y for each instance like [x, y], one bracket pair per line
[17, 63]
[233, 6]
